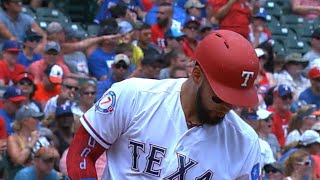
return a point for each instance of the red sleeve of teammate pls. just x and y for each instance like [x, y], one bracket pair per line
[82, 156]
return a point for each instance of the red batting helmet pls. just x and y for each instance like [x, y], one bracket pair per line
[230, 65]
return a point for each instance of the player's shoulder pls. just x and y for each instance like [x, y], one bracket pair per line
[242, 128]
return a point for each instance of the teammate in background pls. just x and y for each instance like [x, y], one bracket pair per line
[176, 128]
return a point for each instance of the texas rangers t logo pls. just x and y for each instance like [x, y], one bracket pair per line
[106, 103]
[247, 75]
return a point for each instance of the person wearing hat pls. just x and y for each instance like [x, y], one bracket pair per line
[12, 101]
[28, 55]
[9, 68]
[292, 74]
[312, 94]
[43, 165]
[298, 166]
[258, 32]
[50, 84]
[254, 118]
[173, 39]
[137, 115]
[194, 8]
[190, 29]
[24, 81]
[21, 143]
[282, 99]
[313, 55]
[120, 69]
[274, 171]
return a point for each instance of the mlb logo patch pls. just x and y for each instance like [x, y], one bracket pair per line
[106, 103]
[255, 172]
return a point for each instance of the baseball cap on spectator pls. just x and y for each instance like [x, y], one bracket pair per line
[108, 26]
[261, 14]
[263, 114]
[278, 166]
[63, 110]
[47, 153]
[260, 114]
[193, 3]
[55, 73]
[32, 36]
[121, 57]
[316, 127]
[191, 19]
[54, 27]
[52, 47]
[24, 75]
[294, 58]
[316, 33]
[309, 137]
[13, 94]
[259, 52]
[125, 27]
[282, 90]
[173, 33]
[73, 33]
[11, 46]
[314, 72]
[205, 26]
[27, 112]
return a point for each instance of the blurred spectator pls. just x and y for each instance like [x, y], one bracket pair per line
[312, 94]
[87, 98]
[63, 129]
[232, 15]
[13, 98]
[24, 81]
[27, 55]
[21, 143]
[194, 8]
[258, 32]
[292, 74]
[120, 12]
[50, 84]
[34, 4]
[282, 99]
[67, 96]
[309, 9]
[205, 29]
[164, 22]
[50, 57]
[190, 42]
[190, 66]
[313, 55]
[176, 59]
[100, 60]
[43, 166]
[173, 40]
[271, 55]
[298, 165]
[278, 65]
[178, 72]
[274, 171]
[120, 69]
[9, 68]
[316, 157]
[76, 61]
[253, 117]
[16, 21]
[150, 67]
[303, 120]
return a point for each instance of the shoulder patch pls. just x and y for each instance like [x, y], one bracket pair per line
[255, 172]
[106, 103]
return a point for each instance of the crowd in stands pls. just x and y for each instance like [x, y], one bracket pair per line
[50, 75]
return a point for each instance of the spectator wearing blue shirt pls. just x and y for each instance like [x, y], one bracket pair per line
[27, 55]
[312, 94]
[42, 168]
[13, 98]
[120, 70]
[101, 59]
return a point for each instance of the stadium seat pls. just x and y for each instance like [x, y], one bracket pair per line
[294, 45]
[281, 33]
[92, 30]
[273, 9]
[272, 21]
[29, 12]
[278, 47]
[292, 19]
[49, 14]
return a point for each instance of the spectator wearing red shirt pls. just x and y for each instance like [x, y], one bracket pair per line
[232, 15]
[190, 29]
[164, 22]
[9, 68]
[282, 99]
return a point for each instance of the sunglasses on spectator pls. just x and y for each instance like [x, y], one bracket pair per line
[48, 160]
[273, 170]
[121, 65]
[89, 93]
[25, 82]
[71, 87]
[306, 163]
[192, 27]
[286, 97]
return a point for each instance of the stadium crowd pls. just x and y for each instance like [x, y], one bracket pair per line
[50, 76]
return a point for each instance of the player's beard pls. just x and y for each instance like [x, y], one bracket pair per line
[202, 112]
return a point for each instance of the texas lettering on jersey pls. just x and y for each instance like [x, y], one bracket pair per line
[156, 155]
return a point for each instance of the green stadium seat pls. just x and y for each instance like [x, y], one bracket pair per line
[49, 14]
[93, 30]
[273, 9]
[28, 11]
[292, 20]
[272, 21]
[278, 47]
[294, 45]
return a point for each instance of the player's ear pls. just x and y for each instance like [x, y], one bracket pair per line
[197, 74]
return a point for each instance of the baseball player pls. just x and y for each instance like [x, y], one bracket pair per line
[176, 128]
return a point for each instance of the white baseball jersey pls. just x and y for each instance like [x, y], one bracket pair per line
[142, 124]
